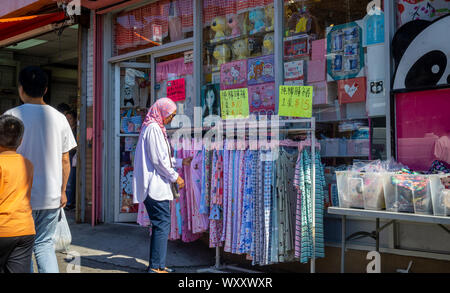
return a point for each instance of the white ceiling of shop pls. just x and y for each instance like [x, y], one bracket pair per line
[62, 50]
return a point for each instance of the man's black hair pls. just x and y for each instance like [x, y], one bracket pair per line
[63, 108]
[11, 131]
[34, 81]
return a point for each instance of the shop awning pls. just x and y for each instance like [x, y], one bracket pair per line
[10, 27]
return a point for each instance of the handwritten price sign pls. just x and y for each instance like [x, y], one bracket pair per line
[234, 103]
[176, 90]
[295, 101]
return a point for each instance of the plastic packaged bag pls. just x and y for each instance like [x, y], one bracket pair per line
[62, 237]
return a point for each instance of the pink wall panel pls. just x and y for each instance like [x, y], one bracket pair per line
[421, 119]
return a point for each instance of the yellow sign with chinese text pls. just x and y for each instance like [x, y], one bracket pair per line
[295, 101]
[234, 103]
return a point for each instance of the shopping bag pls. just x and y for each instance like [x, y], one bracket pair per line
[62, 237]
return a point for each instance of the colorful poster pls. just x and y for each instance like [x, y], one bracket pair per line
[234, 103]
[295, 101]
[261, 70]
[233, 75]
[210, 100]
[352, 90]
[262, 99]
[408, 10]
[176, 90]
[345, 52]
[296, 46]
[294, 70]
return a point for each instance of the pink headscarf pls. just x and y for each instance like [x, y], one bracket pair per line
[160, 110]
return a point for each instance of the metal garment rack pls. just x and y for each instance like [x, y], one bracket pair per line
[218, 267]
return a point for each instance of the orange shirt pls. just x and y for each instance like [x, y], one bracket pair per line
[16, 179]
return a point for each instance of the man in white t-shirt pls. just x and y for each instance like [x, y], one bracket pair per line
[46, 143]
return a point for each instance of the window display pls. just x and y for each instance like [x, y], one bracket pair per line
[238, 49]
[326, 46]
[157, 23]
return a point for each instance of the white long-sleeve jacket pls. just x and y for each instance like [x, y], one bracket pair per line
[152, 172]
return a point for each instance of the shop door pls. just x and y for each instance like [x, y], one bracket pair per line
[132, 100]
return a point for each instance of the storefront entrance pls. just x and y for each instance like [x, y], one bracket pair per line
[57, 53]
[138, 83]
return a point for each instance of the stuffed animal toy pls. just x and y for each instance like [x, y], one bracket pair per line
[233, 23]
[240, 49]
[218, 25]
[256, 18]
[270, 17]
[268, 44]
[222, 54]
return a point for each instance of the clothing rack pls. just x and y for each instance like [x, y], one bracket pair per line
[218, 267]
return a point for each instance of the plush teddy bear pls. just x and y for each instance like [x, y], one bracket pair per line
[268, 44]
[218, 25]
[256, 18]
[233, 23]
[240, 49]
[270, 17]
[222, 54]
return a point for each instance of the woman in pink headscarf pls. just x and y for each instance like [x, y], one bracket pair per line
[152, 178]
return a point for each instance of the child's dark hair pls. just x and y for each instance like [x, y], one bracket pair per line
[34, 81]
[63, 108]
[72, 113]
[11, 131]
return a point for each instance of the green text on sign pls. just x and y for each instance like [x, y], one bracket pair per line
[234, 103]
[295, 101]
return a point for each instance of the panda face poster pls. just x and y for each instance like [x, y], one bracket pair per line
[423, 62]
[345, 52]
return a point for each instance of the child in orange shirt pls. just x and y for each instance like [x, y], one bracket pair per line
[17, 231]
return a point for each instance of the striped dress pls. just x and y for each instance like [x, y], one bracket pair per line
[304, 223]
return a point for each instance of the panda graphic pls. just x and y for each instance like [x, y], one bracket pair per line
[422, 54]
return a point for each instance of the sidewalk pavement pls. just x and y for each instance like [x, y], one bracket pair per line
[124, 248]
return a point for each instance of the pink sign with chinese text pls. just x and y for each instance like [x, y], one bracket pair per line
[176, 90]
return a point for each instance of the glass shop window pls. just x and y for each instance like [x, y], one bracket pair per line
[238, 53]
[152, 25]
[337, 47]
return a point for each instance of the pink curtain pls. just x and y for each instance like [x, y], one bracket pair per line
[176, 67]
[134, 28]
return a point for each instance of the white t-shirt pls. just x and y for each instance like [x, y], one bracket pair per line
[47, 136]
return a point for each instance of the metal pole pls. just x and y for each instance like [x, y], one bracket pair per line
[377, 234]
[313, 187]
[217, 258]
[343, 244]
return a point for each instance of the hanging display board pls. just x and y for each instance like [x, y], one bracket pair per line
[345, 51]
[234, 103]
[295, 101]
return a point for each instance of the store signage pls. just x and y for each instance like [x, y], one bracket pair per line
[234, 103]
[176, 90]
[295, 101]
[157, 33]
